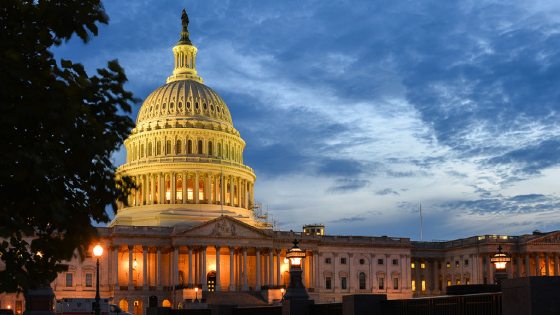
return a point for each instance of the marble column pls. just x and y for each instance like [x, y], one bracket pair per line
[303, 271]
[372, 274]
[116, 287]
[145, 269]
[190, 283]
[245, 286]
[311, 270]
[555, 263]
[185, 187]
[173, 180]
[271, 268]
[245, 197]
[231, 191]
[203, 265]
[538, 264]
[547, 263]
[519, 272]
[218, 282]
[153, 178]
[489, 267]
[418, 285]
[258, 258]
[196, 189]
[161, 188]
[480, 269]
[130, 268]
[278, 277]
[231, 286]
[265, 268]
[208, 190]
[316, 261]
[435, 276]
[176, 266]
[527, 264]
[159, 286]
[335, 274]
[137, 191]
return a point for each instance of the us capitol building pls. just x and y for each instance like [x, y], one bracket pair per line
[191, 224]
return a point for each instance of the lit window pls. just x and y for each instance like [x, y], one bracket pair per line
[396, 283]
[448, 265]
[448, 282]
[89, 280]
[414, 285]
[412, 265]
[422, 265]
[467, 281]
[423, 285]
[457, 263]
[69, 280]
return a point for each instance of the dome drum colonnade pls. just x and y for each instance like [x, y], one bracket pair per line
[185, 151]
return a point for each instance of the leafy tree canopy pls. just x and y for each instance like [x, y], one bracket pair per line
[58, 128]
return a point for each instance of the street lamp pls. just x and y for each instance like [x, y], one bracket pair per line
[296, 290]
[282, 290]
[500, 260]
[196, 295]
[97, 251]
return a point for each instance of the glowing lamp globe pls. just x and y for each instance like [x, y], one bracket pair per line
[500, 260]
[295, 255]
[98, 250]
[195, 289]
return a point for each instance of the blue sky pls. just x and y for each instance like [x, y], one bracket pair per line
[356, 112]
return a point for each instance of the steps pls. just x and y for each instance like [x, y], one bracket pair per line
[239, 298]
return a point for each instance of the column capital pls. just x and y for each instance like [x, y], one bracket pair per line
[258, 249]
[351, 255]
[245, 249]
[372, 255]
[130, 247]
[145, 247]
[218, 247]
[231, 248]
[335, 254]
[190, 247]
[159, 247]
[203, 247]
[315, 252]
[114, 247]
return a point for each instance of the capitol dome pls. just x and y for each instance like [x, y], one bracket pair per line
[184, 155]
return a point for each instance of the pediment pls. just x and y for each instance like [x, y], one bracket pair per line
[551, 238]
[224, 226]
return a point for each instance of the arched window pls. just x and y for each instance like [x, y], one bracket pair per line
[200, 147]
[362, 280]
[190, 189]
[189, 147]
[158, 148]
[150, 149]
[134, 149]
[168, 147]
[200, 190]
[235, 201]
[179, 145]
[210, 148]
[165, 303]
[167, 191]
[219, 149]
[123, 304]
[179, 189]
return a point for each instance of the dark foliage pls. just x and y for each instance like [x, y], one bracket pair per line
[58, 127]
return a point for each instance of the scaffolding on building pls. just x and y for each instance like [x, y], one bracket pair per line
[263, 219]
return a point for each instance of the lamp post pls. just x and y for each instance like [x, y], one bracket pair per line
[500, 260]
[196, 295]
[296, 290]
[97, 251]
[282, 290]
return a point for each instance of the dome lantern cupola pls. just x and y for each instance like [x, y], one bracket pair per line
[185, 56]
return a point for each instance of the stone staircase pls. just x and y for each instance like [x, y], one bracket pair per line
[234, 298]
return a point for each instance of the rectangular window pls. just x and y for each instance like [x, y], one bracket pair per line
[343, 283]
[515, 261]
[448, 265]
[456, 263]
[466, 262]
[89, 280]
[414, 285]
[327, 260]
[422, 265]
[412, 265]
[380, 261]
[69, 280]
[423, 285]
[448, 282]
[343, 261]
[328, 283]
[440, 285]
[467, 281]
[395, 262]
[395, 283]
[381, 284]
[438, 265]
[19, 307]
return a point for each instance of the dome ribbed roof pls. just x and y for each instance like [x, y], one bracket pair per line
[184, 99]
